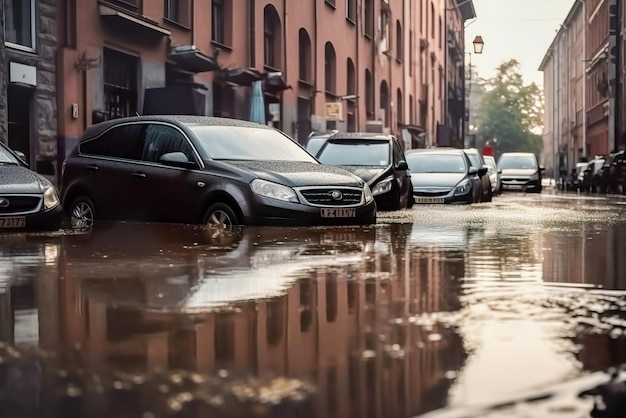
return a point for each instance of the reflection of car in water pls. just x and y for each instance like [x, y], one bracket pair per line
[182, 268]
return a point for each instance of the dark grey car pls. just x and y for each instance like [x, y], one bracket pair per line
[191, 169]
[486, 192]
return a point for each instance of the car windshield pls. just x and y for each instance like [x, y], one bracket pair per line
[435, 163]
[491, 163]
[474, 158]
[519, 162]
[249, 144]
[6, 157]
[314, 144]
[364, 153]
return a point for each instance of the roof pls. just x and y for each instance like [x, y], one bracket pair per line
[361, 135]
[438, 150]
[563, 27]
[99, 128]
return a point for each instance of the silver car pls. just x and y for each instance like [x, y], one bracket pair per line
[494, 174]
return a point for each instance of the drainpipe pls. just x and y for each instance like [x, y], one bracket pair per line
[584, 65]
[282, 93]
[315, 55]
[251, 39]
[357, 66]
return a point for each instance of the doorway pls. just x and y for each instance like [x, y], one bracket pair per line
[304, 119]
[19, 101]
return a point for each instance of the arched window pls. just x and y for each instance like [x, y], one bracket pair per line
[272, 41]
[330, 68]
[351, 77]
[369, 92]
[384, 102]
[304, 46]
[400, 107]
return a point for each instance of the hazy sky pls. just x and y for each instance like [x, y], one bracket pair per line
[520, 29]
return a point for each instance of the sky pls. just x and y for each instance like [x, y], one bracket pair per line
[520, 29]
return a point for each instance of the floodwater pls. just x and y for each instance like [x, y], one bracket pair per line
[435, 311]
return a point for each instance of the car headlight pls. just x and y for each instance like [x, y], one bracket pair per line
[274, 190]
[534, 177]
[50, 198]
[463, 187]
[383, 187]
[367, 193]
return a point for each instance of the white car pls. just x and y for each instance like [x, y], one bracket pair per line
[494, 174]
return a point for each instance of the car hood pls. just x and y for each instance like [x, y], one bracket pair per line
[419, 180]
[19, 179]
[368, 174]
[517, 172]
[296, 174]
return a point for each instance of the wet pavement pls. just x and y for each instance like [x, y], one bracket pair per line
[510, 308]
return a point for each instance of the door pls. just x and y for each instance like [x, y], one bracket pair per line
[19, 116]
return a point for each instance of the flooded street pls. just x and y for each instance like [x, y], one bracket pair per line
[435, 311]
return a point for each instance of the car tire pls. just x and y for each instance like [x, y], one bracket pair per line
[489, 195]
[220, 215]
[82, 213]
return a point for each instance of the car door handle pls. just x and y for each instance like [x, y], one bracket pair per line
[91, 168]
[139, 175]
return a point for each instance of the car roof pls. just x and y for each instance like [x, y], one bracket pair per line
[179, 120]
[520, 154]
[361, 135]
[443, 150]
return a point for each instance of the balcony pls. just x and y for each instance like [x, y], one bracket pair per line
[124, 18]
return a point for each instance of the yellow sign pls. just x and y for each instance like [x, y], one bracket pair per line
[333, 111]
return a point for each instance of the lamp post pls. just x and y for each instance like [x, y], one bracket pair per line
[478, 44]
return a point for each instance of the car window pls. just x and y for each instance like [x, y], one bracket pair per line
[491, 163]
[122, 141]
[355, 152]
[249, 144]
[436, 163]
[520, 162]
[474, 159]
[314, 144]
[7, 157]
[162, 139]
[398, 154]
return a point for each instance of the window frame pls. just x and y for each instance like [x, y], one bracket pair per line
[33, 29]
[221, 5]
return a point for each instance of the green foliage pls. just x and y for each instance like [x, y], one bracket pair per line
[511, 111]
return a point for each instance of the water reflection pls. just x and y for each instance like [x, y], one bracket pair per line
[148, 320]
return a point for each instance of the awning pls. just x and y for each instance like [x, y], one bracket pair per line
[131, 22]
[275, 85]
[467, 9]
[240, 76]
[190, 58]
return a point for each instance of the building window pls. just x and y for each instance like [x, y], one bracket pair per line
[369, 93]
[330, 68]
[304, 42]
[218, 21]
[399, 43]
[432, 20]
[351, 10]
[384, 102]
[400, 106]
[19, 23]
[178, 11]
[351, 79]
[368, 11]
[271, 23]
[120, 84]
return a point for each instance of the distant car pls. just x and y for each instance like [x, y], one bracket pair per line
[478, 161]
[316, 140]
[376, 158]
[28, 200]
[194, 169]
[494, 174]
[444, 176]
[520, 171]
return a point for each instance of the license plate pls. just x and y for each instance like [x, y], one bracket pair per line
[514, 186]
[14, 222]
[429, 200]
[338, 213]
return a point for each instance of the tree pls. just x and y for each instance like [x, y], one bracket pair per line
[511, 112]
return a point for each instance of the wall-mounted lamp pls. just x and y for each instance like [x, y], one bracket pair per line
[478, 44]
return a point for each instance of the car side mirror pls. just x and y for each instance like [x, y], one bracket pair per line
[542, 168]
[20, 154]
[482, 171]
[499, 171]
[472, 171]
[402, 165]
[176, 159]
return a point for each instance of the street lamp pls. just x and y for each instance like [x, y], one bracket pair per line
[478, 49]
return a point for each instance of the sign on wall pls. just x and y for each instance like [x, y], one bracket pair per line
[333, 111]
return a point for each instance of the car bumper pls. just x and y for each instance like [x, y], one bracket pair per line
[270, 212]
[512, 185]
[49, 220]
[420, 197]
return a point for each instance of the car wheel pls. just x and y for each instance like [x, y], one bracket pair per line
[489, 195]
[82, 213]
[220, 215]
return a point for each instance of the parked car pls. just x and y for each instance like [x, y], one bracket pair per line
[376, 158]
[592, 176]
[444, 176]
[494, 174]
[577, 176]
[28, 200]
[315, 141]
[478, 161]
[520, 171]
[192, 169]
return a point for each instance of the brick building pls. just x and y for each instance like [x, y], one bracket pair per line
[28, 112]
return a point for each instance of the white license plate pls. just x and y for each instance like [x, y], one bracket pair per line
[338, 213]
[429, 200]
[14, 222]
[514, 186]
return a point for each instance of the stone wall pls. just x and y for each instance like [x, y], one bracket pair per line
[4, 69]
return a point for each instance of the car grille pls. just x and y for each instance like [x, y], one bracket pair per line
[20, 204]
[323, 197]
[434, 193]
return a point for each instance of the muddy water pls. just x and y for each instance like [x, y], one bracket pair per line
[433, 310]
